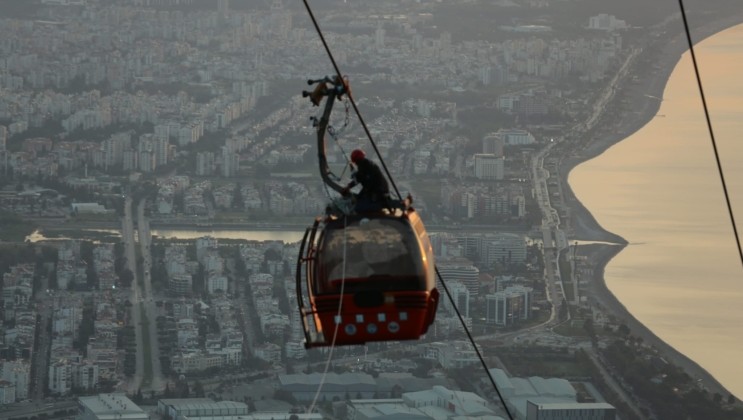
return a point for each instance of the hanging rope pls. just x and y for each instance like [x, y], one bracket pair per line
[711, 132]
[335, 330]
[392, 182]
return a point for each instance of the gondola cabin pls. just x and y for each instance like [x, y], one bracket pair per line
[367, 278]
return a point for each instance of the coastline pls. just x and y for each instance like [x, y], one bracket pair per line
[644, 98]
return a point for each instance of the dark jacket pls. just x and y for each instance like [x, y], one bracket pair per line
[373, 183]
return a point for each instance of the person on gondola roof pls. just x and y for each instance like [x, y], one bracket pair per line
[375, 191]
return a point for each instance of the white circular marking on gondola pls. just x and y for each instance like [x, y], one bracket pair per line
[393, 327]
[371, 328]
[350, 329]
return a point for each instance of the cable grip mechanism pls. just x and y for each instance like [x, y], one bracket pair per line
[326, 86]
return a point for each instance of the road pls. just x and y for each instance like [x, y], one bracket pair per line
[40, 356]
[36, 410]
[629, 400]
[147, 298]
[127, 235]
[148, 374]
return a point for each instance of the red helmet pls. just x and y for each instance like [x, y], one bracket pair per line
[357, 155]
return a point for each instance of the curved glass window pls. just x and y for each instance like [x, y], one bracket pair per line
[380, 254]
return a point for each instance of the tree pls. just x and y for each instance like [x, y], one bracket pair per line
[126, 277]
[138, 397]
[237, 201]
[198, 390]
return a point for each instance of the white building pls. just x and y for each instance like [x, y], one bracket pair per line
[509, 306]
[217, 283]
[461, 296]
[441, 402]
[454, 354]
[489, 166]
[467, 274]
[269, 352]
[194, 362]
[569, 411]
[94, 208]
[606, 22]
[109, 407]
[505, 249]
[194, 408]
[7, 392]
[17, 372]
[537, 398]
[60, 377]
[86, 375]
[205, 163]
[204, 244]
[516, 137]
[180, 284]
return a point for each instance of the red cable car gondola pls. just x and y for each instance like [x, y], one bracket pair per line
[367, 277]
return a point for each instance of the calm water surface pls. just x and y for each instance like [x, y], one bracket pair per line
[660, 189]
[248, 235]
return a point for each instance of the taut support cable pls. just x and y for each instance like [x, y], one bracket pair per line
[711, 132]
[350, 98]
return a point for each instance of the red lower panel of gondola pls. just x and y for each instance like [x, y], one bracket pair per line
[401, 316]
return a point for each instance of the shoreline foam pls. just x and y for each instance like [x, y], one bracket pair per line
[584, 224]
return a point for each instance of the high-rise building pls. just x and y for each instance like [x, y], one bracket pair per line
[461, 296]
[161, 146]
[379, 37]
[86, 375]
[180, 284]
[60, 377]
[162, 131]
[230, 162]
[129, 161]
[3, 138]
[113, 149]
[223, 6]
[509, 306]
[204, 163]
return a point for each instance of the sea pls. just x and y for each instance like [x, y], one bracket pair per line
[661, 190]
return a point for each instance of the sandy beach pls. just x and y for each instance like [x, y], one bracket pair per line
[644, 97]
